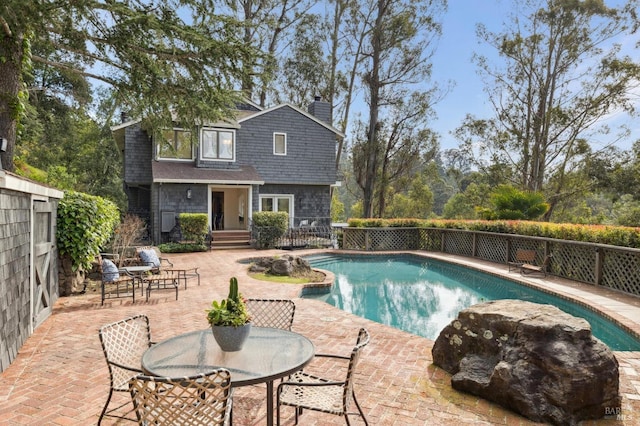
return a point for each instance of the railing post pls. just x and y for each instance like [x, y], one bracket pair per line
[442, 244]
[366, 239]
[597, 273]
[508, 251]
[474, 249]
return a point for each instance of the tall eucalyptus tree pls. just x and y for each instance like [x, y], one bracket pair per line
[563, 75]
[400, 39]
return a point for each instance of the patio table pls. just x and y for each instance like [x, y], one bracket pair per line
[268, 354]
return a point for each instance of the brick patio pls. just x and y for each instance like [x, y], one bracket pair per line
[60, 378]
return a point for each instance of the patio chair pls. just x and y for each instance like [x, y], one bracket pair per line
[150, 256]
[275, 313]
[306, 391]
[522, 256]
[203, 399]
[123, 343]
[530, 269]
[113, 282]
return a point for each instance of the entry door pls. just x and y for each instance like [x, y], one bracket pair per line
[217, 210]
[43, 281]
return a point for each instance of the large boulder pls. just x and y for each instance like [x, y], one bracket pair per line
[533, 359]
[286, 265]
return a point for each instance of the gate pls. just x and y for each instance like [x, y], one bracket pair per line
[44, 274]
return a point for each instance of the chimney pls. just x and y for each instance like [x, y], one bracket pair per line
[320, 110]
[124, 117]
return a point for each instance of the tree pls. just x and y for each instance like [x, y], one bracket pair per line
[263, 24]
[400, 37]
[563, 75]
[159, 64]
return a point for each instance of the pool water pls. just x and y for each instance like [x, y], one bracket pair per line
[422, 296]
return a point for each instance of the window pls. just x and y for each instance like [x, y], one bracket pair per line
[277, 203]
[217, 145]
[280, 144]
[175, 144]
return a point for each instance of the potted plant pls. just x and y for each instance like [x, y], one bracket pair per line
[230, 322]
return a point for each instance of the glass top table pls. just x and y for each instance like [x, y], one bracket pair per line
[268, 354]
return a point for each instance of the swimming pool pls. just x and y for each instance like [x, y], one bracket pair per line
[422, 296]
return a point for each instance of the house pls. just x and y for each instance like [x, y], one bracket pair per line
[274, 159]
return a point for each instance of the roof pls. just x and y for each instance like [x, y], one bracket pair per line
[253, 114]
[187, 172]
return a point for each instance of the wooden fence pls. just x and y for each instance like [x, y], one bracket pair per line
[614, 267]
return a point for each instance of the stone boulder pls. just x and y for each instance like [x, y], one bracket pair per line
[281, 265]
[533, 359]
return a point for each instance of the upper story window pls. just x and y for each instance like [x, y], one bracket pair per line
[175, 144]
[280, 144]
[217, 144]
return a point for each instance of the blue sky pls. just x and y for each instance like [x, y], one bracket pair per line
[452, 61]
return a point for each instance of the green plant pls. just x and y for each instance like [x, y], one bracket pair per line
[193, 226]
[269, 227]
[231, 311]
[85, 223]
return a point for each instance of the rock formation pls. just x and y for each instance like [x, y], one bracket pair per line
[533, 359]
[281, 265]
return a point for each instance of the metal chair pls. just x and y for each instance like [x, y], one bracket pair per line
[274, 313]
[123, 344]
[306, 391]
[203, 399]
[113, 282]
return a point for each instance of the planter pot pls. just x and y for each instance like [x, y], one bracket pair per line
[229, 338]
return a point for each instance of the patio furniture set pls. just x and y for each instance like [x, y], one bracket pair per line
[145, 270]
[188, 379]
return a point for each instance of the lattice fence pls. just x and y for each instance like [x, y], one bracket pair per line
[621, 271]
[460, 243]
[613, 267]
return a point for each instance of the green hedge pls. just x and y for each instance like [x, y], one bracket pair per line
[85, 224]
[269, 227]
[599, 234]
[193, 226]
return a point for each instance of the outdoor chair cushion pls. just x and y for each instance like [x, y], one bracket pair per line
[149, 257]
[109, 271]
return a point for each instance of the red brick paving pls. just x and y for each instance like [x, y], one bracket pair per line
[60, 377]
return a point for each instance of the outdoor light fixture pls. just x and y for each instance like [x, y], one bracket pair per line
[189, 194]
[3, 144]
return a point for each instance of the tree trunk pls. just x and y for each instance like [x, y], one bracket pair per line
[11, 52]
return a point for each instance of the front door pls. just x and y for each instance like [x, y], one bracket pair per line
[217, 210]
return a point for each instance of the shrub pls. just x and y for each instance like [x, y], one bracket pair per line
[269, 227]
[193, 226]
[85, 224]
[127, 234]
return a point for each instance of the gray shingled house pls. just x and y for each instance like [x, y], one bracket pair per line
[279, 159]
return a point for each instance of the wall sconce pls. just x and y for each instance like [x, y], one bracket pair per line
[189, 194]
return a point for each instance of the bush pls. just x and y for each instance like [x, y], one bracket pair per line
[269, 227]
[85, 224]
[193, 226]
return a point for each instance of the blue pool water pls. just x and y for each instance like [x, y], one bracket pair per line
[422, 296]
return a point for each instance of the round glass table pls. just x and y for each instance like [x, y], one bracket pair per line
[268, 354]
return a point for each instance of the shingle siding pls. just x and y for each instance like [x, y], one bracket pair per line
[311, 148]
[137, 156]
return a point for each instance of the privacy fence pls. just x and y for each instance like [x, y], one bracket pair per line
[614, 267]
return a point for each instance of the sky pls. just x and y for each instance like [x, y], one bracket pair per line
[452, 61]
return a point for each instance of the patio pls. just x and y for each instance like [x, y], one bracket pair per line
[60, 377]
